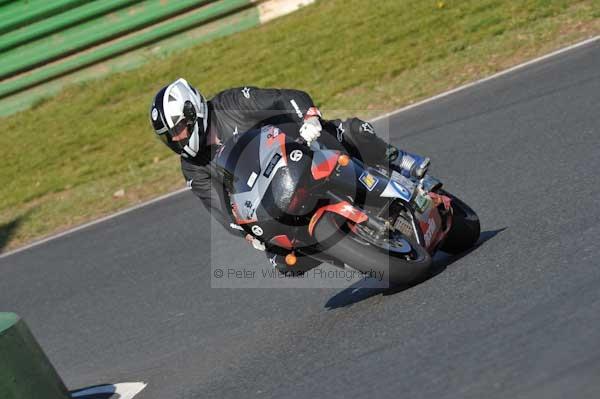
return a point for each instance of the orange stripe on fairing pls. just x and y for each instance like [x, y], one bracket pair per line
[324, 169]
[248, 221]
[280, 138]
[341, 208]
[282, 241]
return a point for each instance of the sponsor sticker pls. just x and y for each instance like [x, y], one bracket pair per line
[401, 189]
[272, 163]
[257, 230]
[154, 114]
[430, 230]
[297, 109]
[296, 155]
[252, 179]
[368, 180]
[367, 127]
[273, 132]
[340, 132]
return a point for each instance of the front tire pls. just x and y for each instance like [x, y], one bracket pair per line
[465, 228]
[351, 249]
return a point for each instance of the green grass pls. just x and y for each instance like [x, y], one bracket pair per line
[63, 159]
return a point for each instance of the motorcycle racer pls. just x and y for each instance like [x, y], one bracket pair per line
[194, 128]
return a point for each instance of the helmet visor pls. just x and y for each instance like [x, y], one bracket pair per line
[178, 136]
[181, 131]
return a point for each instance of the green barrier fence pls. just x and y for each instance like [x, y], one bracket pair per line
[22, 13]
[236, 22]
[83, 36]
[4, 3]
[203, 15]
[25, 371]
[61, 21]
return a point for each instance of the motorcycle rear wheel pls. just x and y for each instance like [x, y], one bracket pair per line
[371, 256]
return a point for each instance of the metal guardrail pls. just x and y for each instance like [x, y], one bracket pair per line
[61, 21]
[21, 13]
[201, 16]
[38, 56]
[87, 34]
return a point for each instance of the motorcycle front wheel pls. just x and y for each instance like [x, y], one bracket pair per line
[396, 258]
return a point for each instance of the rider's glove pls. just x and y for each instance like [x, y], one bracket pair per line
[311, 129]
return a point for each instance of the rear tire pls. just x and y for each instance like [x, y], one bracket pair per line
[349, 248]
[465, 228]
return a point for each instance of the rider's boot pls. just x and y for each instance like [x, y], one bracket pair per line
[408, 164]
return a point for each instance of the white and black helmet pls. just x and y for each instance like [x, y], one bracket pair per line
[175, 107]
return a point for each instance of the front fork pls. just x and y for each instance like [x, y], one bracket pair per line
[379, 226]
[373, 223]
[367, 194]
[362, 195]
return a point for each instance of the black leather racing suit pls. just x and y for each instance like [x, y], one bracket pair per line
[238, 110]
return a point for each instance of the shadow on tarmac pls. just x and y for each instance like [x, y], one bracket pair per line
[357, 291]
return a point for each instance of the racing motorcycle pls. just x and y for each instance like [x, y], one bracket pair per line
[310, 200]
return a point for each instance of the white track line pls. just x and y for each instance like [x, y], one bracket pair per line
[494, 76]
[390, 114]
[125, 390]
[93, 222]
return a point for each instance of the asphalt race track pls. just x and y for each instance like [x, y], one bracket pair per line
[129, 299]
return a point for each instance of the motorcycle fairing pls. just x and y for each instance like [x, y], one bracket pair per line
[342, 208]
[324, 163]
[399, 187]
[282, 241]
[268, 171]
[430, 222]
[275, 184]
